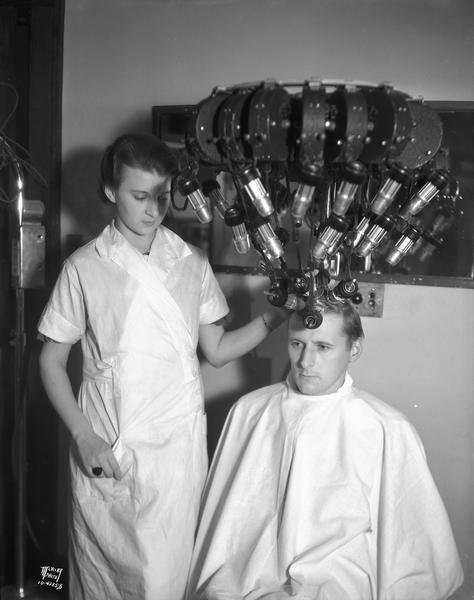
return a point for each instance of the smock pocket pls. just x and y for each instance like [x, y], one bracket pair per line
[97, 399]
[107, 489]
[124, 456]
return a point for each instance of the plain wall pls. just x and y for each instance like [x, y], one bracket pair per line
[121, 57]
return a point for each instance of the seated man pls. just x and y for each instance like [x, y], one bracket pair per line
[319, 491]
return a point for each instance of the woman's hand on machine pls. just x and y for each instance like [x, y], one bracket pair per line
[97, 456]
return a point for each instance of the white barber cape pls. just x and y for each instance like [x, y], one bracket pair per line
[321, 498]
[137, 318]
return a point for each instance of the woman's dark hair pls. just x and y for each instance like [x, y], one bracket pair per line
[134, 150]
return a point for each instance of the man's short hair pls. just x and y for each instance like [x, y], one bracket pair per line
[352, 325]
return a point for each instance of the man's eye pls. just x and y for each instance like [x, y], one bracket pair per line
[139, 196]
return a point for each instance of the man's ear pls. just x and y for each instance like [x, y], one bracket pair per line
[356, 350]
[110, 195]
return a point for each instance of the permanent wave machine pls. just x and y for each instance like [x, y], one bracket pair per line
[357, 166]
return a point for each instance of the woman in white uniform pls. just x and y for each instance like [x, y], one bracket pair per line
[139, 299]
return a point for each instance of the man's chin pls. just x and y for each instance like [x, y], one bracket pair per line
[310, 386]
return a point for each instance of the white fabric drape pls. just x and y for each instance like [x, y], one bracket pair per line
[321, 498]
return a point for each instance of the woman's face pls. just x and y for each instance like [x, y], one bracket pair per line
[141, 200]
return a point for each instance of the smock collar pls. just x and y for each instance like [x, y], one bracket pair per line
[166, 248]
[342, 392]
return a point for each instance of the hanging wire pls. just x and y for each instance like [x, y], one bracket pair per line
[12, 152]
[4, 199]
[15, 103]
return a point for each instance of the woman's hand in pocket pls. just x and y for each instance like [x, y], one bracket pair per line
[96, 456]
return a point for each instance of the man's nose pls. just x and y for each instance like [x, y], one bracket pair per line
[307, 358]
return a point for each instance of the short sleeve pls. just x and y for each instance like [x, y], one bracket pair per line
[213, 304]
[63, 319]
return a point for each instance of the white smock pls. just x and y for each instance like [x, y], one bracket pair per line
[138, 319]
[321, 498]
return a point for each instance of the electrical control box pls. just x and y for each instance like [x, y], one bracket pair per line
[28, 268]
[369, 300]
[28, 246]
